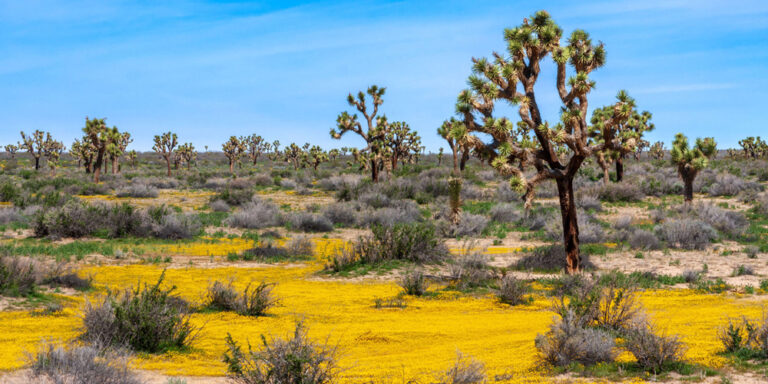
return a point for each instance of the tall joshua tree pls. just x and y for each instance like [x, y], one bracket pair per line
[629, 130]
[376, 127]
[52, 151]
[186, 154]
[402, 142]
[690, 161]
[164, 145]
[233, 150]
[315, 156]
[556, 151]
[455, 133]
[293, 154]
[34, 144]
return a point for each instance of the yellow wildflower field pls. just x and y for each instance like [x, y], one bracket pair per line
[388, 345]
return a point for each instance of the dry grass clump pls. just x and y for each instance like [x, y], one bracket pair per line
[19, 275]
[745, 336]
[310, 222]
[80, 365]
[413, 282]
[147, 319]
[512, 291]
[253, 301]
[466, 370]
[569, 341]
[686, 233]
[137, 190]
[297, 359]
[654, 353]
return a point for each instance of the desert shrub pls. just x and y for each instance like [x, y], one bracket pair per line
[548, 259]
[691, 276]
[661, 183]
[374, 199]
[256, 214]
[686, 233]
[144, 319]
[506, 213]
[512, 290]
[159, 182]
[590, 232]
[464, 371]
[471, 192]
[568, 341]
[589, 201]
[746, 335]
[295, 360]
[399, 212]
[343, 213]
[642, 239]
[615, 192]
[729, 222]
[253, 301]
[288, 184]
[761, 204]
[80, 365]
[220, 206]
[233, 196]
[300, 246]
[469, 225]
[63, 276]
[137, 190]
[339, 182]
[413, 282]
[262, 180]
[726, 184]
[19, 275]
[265, 251]
[74, 219]
[470, 270]
[410, 242]
[617, 306]
[176, 226]
[9, 192]
[10, 215]
[743, 270]
[505, 193]
[310, 222]
[653, 352]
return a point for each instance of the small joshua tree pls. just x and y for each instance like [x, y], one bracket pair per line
[116, 147]
[657, 150]
[256, 146]
[456, 134]
[377, 126]
[34, 144]
[95, 143]
[294, 154]
[164, 145]
[315, 156]
[440, 157]
[629, 131]
[555, 152]
[403, 143]
[275, 154]
[52, 151]
[233, 149]
[132, 157]
[11, 150]
[333, 154]
[186, 154]
[690, 161]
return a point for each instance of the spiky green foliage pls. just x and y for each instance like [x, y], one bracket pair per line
[657, 150]
[455, 132]
[11, 149]
[294, 155]
[315, 156]
[164, 145]
[690, 160]
[52, 150]
[754, 147]
[402, 144]
[185, 154]
[256, 146]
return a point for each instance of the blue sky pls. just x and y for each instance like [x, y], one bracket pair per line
[282, 69]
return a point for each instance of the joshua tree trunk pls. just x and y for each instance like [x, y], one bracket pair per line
[37, 163]
[168, 165]
[604, 166]
[455, 160]
[464, 158]
[232, 167]
[97, 165]
[570, 224]
[114, 166]
[619, 169]
[374, 171]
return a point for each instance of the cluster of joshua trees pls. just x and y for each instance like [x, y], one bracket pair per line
[527, 152]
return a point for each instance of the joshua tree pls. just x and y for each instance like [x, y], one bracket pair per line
[164, 145]
[629, 130]
[315, 156]
[657, 150]
[455, 133]
[376, 128]
[333, 154]
[556, 152]
[52, 151]
[11, 149]
[754, 147]
[275, 154]
[116, 147]
[132, 156]
[256, 145]
[233, 150]
[690, 161]
[440, 157]
[97, 136]
[34, 144]
[186, 154]
[293, 154]
[402, 143]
